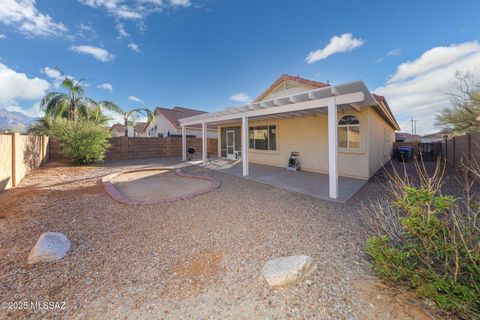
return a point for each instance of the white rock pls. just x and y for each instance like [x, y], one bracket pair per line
[50, 246]
[287, 270]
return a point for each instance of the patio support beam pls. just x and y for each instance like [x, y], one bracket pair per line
[332, 148]
[204, 142]
[184, 143]
[245, 145]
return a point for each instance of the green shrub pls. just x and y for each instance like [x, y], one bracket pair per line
[82, 141]
[437, 247]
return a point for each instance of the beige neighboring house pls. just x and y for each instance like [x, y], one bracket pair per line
[167, 123]
[139, 130]
[118, 130]
[337, 129]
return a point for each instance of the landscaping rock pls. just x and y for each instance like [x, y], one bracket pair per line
[287, 270]
[50, 246]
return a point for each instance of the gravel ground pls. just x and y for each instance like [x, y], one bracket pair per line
[198, 258]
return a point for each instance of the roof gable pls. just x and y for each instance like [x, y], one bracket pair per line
[287, 84]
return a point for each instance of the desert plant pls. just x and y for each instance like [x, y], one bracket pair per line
[429, 241]
[82, 141]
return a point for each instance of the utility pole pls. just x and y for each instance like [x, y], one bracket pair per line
[414, 125]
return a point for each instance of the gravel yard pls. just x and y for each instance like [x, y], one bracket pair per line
[198, 258]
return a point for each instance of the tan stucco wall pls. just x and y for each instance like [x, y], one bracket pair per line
[379, 150]
[18, 155]
[309, 136]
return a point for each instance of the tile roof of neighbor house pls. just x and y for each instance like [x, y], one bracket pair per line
[119, 128]
[315, 84]
[176, 113]
[140, 126]
[406, 135]
[439, 134]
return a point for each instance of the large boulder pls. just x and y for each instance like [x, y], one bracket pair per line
[287, 270]
[50, 246]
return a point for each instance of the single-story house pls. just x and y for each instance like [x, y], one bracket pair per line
[337, 129]
[118, 130]
[407, 137]
[166, 123]
[139, 130]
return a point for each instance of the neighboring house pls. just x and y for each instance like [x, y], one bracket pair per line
[340, 130]
[118, 130]
[139, 129]
[167, 123]
[437, 136]
[406, 137]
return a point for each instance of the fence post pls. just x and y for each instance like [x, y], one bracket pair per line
[14, 158]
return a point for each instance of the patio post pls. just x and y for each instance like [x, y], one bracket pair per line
[184, 143]
[332, 148]
[245, 144]
[204, 143]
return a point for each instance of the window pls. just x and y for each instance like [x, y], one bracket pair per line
[263, 137]
[349, 132]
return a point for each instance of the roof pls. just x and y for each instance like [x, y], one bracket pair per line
[176, 113]
[406, 135]
[315, 84]
[439, 134]
[140, 126]
[287, 77]
[120, 128]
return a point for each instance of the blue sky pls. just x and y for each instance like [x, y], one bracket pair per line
[208, 54]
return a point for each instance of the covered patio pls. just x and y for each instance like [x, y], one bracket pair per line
[310, 183]
[328, 100]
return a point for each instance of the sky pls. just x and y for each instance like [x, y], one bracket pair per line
[209, 54]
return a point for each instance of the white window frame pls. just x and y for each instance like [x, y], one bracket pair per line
[348, 132]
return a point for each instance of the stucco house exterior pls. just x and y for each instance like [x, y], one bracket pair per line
[118, 130]
[337, 129]
[167, 123]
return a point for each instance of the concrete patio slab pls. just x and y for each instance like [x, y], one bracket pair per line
[311, 183]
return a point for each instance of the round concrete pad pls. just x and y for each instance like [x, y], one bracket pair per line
[153, 186]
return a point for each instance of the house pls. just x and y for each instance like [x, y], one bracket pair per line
[339, 130]
[437, 136]
[406, 137]
[118, 130]
[139, 130]
[167, 123]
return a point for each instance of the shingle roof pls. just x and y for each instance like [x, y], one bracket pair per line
[176, 113]
[120, 128]
[406, 135]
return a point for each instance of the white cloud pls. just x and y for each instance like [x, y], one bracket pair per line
[240, 97]
[434, 58]
[24, 16]
[394, 52]
[15, 86]
[98, 53]
[122, 33]
[135, 47]
[56, 75]
[181, 3]
[419, 88]
[33, 111]
[2, 36]
[127, 9]
[136, 99]
[345, 42]
[106, 86]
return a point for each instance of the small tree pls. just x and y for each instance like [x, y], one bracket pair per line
[462, 116]
[129, 116]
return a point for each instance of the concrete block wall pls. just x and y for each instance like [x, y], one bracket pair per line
[18, 155]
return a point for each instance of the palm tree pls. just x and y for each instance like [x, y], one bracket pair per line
[70, 104]
[129, 116]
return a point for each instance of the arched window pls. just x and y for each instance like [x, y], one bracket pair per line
[349, 132]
